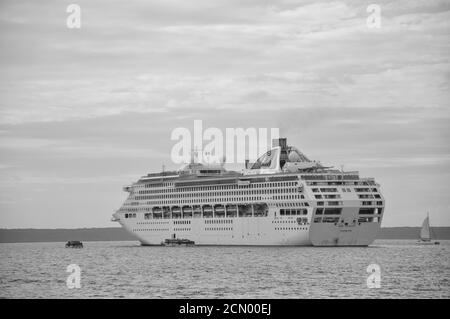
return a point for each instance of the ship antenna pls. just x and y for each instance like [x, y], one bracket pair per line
[194, 155]
[191, 160]
[223, 160]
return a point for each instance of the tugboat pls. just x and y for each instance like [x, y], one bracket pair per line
[74, 244]
[425, 234]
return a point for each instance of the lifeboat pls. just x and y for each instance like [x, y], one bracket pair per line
[187, 209]
[176, 209]
[219, 208]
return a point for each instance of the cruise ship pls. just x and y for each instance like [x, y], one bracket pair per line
[282, 199]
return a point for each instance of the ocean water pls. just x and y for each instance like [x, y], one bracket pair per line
[127, 270]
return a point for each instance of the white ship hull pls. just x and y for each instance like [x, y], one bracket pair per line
[252, 231]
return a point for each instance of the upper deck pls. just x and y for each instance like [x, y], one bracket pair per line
[331, 177]
[281, 163]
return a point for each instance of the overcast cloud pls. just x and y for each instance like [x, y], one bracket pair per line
[84, 112]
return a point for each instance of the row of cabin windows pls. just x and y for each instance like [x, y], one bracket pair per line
[328, 211]
[370, 203]
[290, 221]
[362, 183]
[345, 190]
[150, 229]
[363, 203]
[335, 220]
[175, 199]
[333, 203]
[152, 223]
[217, 199]
[292, 204]
[362, 190]
[291, 228]
[218, 187]
[293, 212]
[175, 193]
[327, 196]
[325, 190]
[178, 222]
[370, 211]
[218, 221]
[369, 196]
[338, 211]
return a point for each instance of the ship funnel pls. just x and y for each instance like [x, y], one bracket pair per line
[282, 142]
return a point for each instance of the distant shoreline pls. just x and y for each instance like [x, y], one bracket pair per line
[119, 234]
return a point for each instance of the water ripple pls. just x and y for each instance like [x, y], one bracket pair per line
[127, 270]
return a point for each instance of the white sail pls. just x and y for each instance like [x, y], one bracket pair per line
[425, 231]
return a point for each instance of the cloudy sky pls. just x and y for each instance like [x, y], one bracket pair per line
[85, 111]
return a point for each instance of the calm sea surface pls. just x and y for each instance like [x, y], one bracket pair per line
[127, 270]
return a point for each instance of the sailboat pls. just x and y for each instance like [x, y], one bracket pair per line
[425, 233]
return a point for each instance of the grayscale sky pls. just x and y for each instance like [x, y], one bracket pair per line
[85, 111]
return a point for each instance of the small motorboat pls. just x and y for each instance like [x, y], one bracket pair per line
[426, 234]
[74, 244]
[177, 242]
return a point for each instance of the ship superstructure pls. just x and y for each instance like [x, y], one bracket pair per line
[282, 199]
